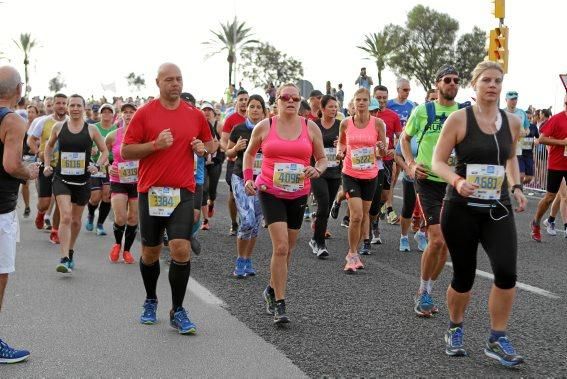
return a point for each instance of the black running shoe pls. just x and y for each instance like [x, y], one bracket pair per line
[279, 315]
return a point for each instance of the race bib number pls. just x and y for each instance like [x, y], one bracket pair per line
[288, 177]
[72, 163]
[527, 143]
[257, 169]
[128, 172]
[489, 179]
[331, 154]
[363, 158]
[162, 201]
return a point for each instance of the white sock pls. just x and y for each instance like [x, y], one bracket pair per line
[47, 217]
[430, 284]
[423, 286]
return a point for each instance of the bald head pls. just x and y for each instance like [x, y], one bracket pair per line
[170, 83]
[168, 69]
[9, 81]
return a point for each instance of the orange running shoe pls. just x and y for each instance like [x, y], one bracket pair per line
[128, 258]
[350, 267]
[54, 237]
[114, 253]
[39, 220]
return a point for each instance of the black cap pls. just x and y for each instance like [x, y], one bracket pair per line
[315, 93]
[188, 97]
[446, 69]
[126, 105]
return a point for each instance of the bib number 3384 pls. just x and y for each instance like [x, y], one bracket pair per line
[162, 201]
[288, 177]
[489, 179]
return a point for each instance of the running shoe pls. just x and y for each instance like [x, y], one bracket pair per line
[239, 268]
[27, 212]
[393, 218]
[550, 227]
[249, 270]
[383, 212]
[180, 321]
[71, 264]
[404, 243]
[358, 262]
[114, 253]
[128, 258]
[335, 208]
[565, 231]
[195, 245]
[211, 210]
[536, 232]
[280, 316]
[376, 234]
[47, 223]
[11, 355]
[233, 229]
[503, 351]
[39, 221]
[328, 234]
[270, 300]
[365, 248]
[318, 250]
[64, 266]
[89, 225]
[350, 266]
[205, 225]
[149, 316]
[54, 237]
[454, 342]
[346, 221]
[423, 304]
[421, 240]
[100, 230]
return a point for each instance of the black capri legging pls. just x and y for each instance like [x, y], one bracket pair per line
[409, 198]
[324, 190]
[212, 176]
[464, 227]
[377, 199]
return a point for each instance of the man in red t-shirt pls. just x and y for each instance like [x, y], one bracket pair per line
[234, 119]
[164, 135]
[554, 134]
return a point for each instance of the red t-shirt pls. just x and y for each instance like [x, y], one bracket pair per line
[231, 121]
[556, 127]
[171, 167]
[393, 126]
[312, 117]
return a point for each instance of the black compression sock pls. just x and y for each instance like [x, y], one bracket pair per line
[130, 236]
[118, 233]
[150, 275]
[389, 210]
[455, 325]
[71, 252]
[92, 209]
[178, 278]
[103, 212]
[551, 219]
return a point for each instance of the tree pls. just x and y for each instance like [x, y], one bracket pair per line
[56, 83]
[263, 64]
[135, 81]
[470, 50]
[380, 46]
[232, 37]
[26, 44]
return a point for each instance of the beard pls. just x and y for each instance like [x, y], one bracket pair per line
[448, 95]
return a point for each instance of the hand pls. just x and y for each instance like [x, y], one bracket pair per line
[113, 170]
[335, 142]
[47, 171]
[520, 200]
[390, 153]
[418, 171]
[92, 169]
[311, 172]
[33, 170]
[409, 173]
[250, 188]
[198, 147]
[241, 144]
[340, 155]
[164, 140]
[465, 189]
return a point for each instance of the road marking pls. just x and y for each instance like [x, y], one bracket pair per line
[526, 287]
[204, 294]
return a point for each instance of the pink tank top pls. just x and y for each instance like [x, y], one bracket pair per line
[117, 156]
[360, 155]
[283, 163]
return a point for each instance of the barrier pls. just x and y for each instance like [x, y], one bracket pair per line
[539, 183]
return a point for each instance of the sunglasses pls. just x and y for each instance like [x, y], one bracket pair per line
[286, 98]
[449, 80]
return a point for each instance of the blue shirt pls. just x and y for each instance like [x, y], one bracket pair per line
[200, 174]
[403, 110]
[522, 115]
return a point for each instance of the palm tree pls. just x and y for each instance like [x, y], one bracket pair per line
[26, 44]
[379, 46]
[233, 36]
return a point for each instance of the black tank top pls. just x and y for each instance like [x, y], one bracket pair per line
[480, 148]
[329, 137]
[74, 155]
[9, 185]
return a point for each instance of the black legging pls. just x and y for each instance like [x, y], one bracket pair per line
[409, 199]
[464, 227]
[212, 176]
[324, 190]
[377, 199]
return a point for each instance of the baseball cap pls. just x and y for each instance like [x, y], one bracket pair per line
[95, 107]
[126, 105]
[188, 97]
[511, 95]
[446, 69]
[107, 106]
[207, 105]
[315, 93]
[373, 105]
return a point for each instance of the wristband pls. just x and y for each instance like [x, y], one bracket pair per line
[247, 174]
[456, 181]
[518, 186]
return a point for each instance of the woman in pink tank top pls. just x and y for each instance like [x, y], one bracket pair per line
[288, 142]
[362, 140]
[123, 191]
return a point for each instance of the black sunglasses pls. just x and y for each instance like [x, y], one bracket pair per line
[447, 80]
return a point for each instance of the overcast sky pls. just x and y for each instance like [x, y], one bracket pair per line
[101, 42]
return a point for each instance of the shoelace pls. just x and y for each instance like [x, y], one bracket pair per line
[6, 350]
[149, 307]
[426, 299]
[457, 337]
[181, 316]
[507, 347]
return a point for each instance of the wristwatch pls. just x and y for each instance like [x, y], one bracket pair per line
[518, 186]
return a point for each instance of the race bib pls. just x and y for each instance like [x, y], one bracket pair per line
[128, 172]
[363, 158]
[162, 201]
[519, 147]
[527, 143]
[452, 161]
[72, 163]
[257, 169]
[288, 177]
[331, 154]
[489, 178]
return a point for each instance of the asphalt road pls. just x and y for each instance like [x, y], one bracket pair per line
[359, 325]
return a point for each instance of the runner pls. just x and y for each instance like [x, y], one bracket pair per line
[359, 136]
[100, 182]
[124, 194]
[287, 141]
[477, 208]
[314, 104]
[71, 175]
[559, 205]
[526, 159]
[553, 134]
[166, 132]
[28, 157]
[425, 126]
[12, 173]
[249, 210]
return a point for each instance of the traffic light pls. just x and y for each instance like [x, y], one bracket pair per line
[499, 8]
[498, 47]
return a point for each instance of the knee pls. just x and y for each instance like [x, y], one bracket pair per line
[65, 219]
[281, 249]
[76, 224]
[463, 283]
[355, 217]
[120, 218]
[505, 279]
[132, 219]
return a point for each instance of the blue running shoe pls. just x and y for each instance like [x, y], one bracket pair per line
[64, 266]
[421, 240]
[423, 305]
[11, 355]
[454, 342]
[248, 269]
[100, 230]
[239, 268]
[180, 321]
[71, 264]
[404, 243]
[503, 351]
[149, 317]
[89, 225]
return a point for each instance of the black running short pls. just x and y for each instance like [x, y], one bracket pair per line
[129, 189]
[45, 184]
[283, 210]
[554, 178]
[363, 188]
[80, 194]
[430, 195]
[97, 183]
[198, 198]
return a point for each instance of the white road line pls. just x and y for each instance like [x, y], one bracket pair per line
[526, 287]
[204, 294]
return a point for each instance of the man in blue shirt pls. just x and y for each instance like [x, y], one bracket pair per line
[401, 105]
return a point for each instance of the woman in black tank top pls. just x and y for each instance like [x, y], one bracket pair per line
[477, 208]
[74, 155]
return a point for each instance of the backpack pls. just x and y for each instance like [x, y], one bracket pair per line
[431, 115]
[3, 112]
